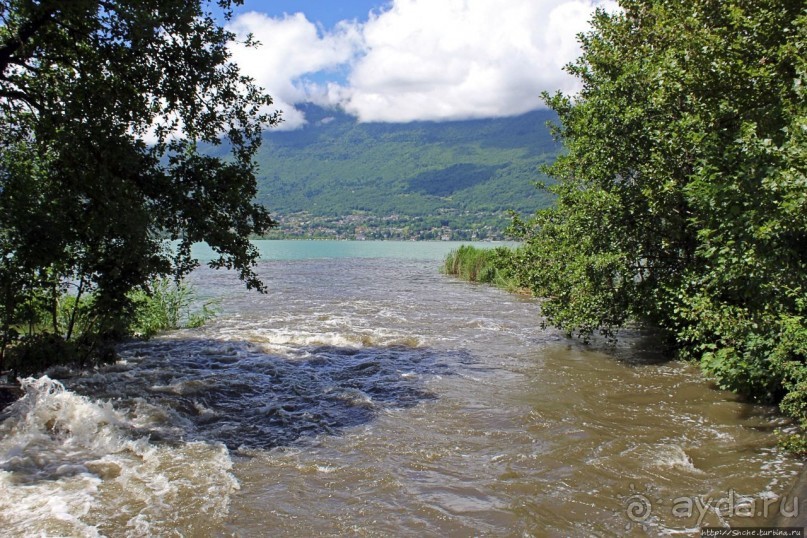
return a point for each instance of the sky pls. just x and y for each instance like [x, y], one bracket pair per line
[411, 60]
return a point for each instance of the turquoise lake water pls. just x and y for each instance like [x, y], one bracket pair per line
[312, 250]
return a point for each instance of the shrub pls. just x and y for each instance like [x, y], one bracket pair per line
[168, 305]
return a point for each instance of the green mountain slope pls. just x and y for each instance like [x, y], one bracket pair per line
[336, 177]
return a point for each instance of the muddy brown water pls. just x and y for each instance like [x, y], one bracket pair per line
[370, 397]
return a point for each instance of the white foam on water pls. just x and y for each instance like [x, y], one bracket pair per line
[184, 387]
[283, 338]
[674, 456]
[279, 340]
[356, 398]
[71, 466]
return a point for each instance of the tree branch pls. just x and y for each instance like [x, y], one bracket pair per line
[20, 96]
[17, 40]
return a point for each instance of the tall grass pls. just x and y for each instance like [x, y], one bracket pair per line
[63, 330]
[162, 305]
[168, 305]
[481, 265]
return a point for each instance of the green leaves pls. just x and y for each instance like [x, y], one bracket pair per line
[83, 197]
[167, 305]
[682, 199]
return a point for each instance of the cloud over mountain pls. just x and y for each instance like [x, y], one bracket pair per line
[420, 59]
[291, 48]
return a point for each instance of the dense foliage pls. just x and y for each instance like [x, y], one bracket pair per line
[103, 105]
[682, 201]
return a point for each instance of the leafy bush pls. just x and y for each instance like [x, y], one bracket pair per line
[681, 199]
[168, 305]
[62, 330]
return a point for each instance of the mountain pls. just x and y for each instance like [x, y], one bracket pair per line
[424, 180]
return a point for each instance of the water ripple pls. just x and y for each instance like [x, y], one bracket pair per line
[208, 390]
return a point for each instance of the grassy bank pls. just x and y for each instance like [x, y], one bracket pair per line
[483, 265]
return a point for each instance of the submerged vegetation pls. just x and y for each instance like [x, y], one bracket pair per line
[66, 330]
[168, 305]
[682, 198]
[482, 265]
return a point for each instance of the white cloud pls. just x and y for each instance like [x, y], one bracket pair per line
[421, 59]
[291, 47]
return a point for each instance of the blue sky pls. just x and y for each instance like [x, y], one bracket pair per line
[408, 60]
[325, 12]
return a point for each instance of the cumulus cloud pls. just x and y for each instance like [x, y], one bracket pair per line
[290, 48]
[421, 59]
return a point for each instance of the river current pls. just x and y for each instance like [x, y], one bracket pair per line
[366, 394]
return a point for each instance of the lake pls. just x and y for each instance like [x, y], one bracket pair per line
[366, 394]
[324, 249]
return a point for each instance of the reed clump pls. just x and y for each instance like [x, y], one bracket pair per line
[484, 265]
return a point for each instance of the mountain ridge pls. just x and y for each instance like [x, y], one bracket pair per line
[335, 177]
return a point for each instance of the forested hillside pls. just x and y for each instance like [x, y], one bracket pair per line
[338, 178]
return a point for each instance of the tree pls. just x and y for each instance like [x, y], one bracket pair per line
[682, 198]
[110, 111]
